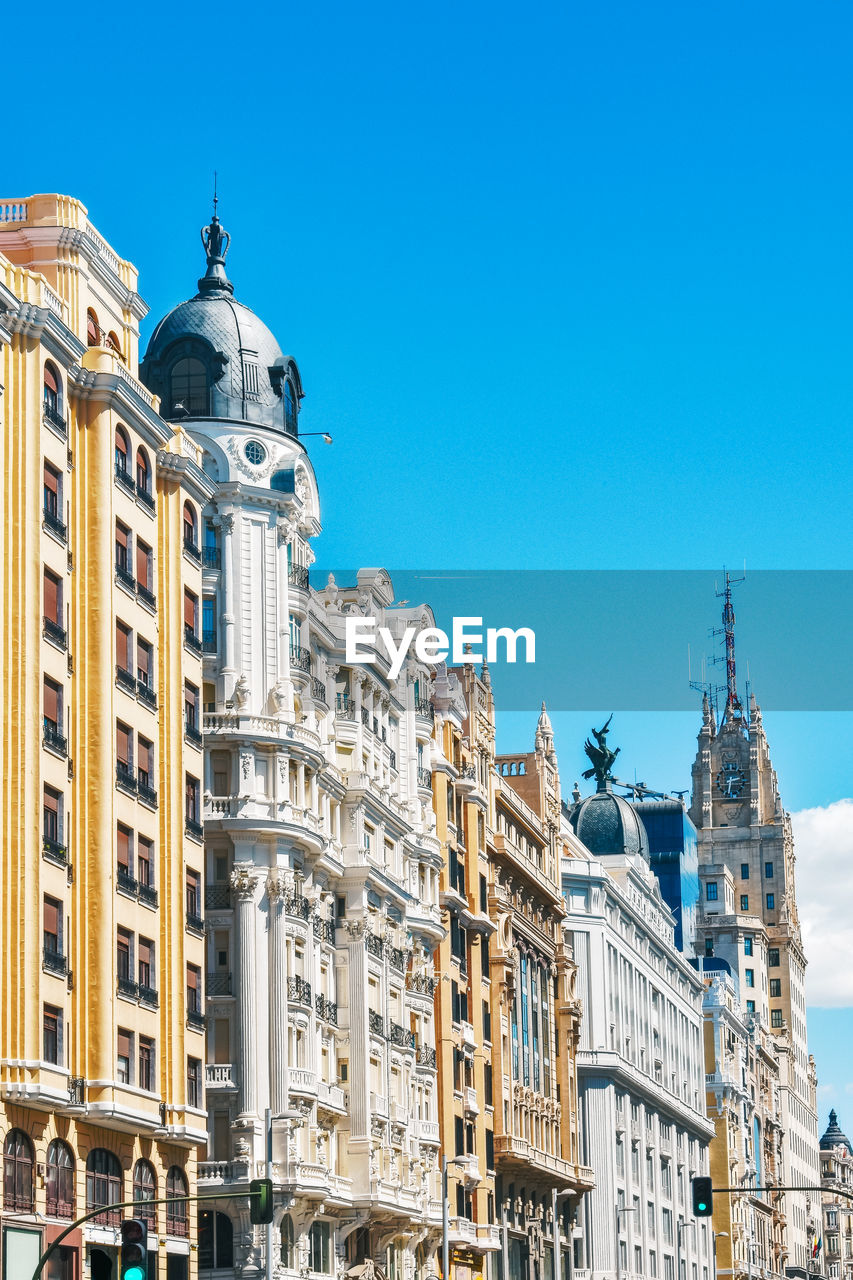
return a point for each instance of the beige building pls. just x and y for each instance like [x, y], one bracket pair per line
[834, 1252]
[101, 1048]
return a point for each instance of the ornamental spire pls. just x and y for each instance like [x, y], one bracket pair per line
[216, 240]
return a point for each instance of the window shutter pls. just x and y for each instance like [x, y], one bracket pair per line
[51, 701]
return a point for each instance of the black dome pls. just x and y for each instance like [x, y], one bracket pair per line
[834, 1135]
[607, 823]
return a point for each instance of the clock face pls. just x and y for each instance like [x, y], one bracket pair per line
[731, 780]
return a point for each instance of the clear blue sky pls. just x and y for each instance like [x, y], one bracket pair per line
[570, 284]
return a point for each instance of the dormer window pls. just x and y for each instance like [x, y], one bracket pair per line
[289, 408]
[189, 390]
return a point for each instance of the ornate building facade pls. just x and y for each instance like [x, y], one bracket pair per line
[640, 1058]
[322, 859]
[749, 920]
[102, 1041]
[834, 1248]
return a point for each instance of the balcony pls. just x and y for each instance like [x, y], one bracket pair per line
[217, 897]
[392, 759]
[302, 1081]
[195, 922]
[401, 1036]
[470, 1102]
[51, 521]
[397, 959]
[209, 641]
[146, 596]
[124, 479]
[427, 1131]
[195, 1019]
[468, 1037]
[192, 550]
[218, 984]
[191, 640]
[376, 1023]
[300, 659]
[144, 495]
[324, 930]
[299, 576]
[467, 779]
[55, 962]
[148, 996]
[125, 577]
[344, 706]
[125, 680]
[426, 1057]
[331, 1096]
[55, 633]
[55, 418]
[424, 779]
[421, 983]
[327, 1010]
[298, 907]
[193, 735]
[193, 828]
[126, 777]
[54, 852]
[374, 944]
[212, 558]
[318, 690]
[53, 739]
[148, 894]
[219, 1075]
[424, 709]
[127, 987]
[461, 1231]
[125, 881]
[299, 991]
[147, 694]
[147, 795]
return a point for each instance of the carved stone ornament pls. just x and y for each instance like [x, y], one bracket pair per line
[242, 692]
[244, 880]
[282, 534]
[279, 884]
[245, 765]
[226, 523]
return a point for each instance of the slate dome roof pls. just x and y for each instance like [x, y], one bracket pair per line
[247, 376]
[607, 823]
[834, 1135]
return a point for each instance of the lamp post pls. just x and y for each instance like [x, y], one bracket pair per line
[680, 1231]
[714, 1237]
[555, 1196]
[620, 1209]
[445, 1223]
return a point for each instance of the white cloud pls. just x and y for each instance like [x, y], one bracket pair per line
[823, 841]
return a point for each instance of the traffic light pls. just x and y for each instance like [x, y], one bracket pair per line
[260, 1200]
[134, 1249]
[703, 1197]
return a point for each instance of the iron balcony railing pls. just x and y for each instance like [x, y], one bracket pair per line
[193, 734]
[76, 1091]
[401, 1036]
[344, 706]
[299, 990]
[147, 893]
[392, 759]
[124, 679]
[218, 984]
[146, 693]
[397, 959]
[208, 641]
[424, 709]
[217, 897]
[426, 1056]
[194, 828]
[327, 1010]
[146, 596]
[365, 717]
[212, 558]
[376, 1023]
[124, 576]
[318, 689]
[423, 983]
[324, 930]
[424, 778]
[124, 478]
[54, 851]
[300, 659]
[147, 794]
[195, 922]
[298, 906]
[374, 944]
[54, 739]
[195, 1018]
[127, 987]
[126, 776]
[144, 495]
[192, 550]
[149, 996]
[299, 576]
[53, 631]
[55, 418]
[125, 881]
[55, 961]
[52, 521]
[191, 640]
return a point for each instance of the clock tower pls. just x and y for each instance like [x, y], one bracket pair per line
[748, 925]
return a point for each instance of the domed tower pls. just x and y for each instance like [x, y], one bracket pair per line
[222, 378]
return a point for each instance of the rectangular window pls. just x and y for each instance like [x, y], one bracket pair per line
[750, 977]
[744, 871]
[193, 894]
[711, 891]
[145, 766]
[191, 612]
[145, 962]
[145, 862]
[319, 1250]
[772, 957]
[775, 1017]
[144, 663]
[192, 799]
[52, 819]
[194, 1082]
[771, 902]
[750, 1006]
[52, 492]
[744, 902]
[124, 849]
[124, 941]
[124, 746]
[768, 870]
[747, 946]
[52, 710]
[52, 924]
[124, 1056]
[123, 544]
[53, 599]
[52, 1035]
[146, 1064]
[191, 706]
[124, 647]
[709, 946]
[144, 566]
[776, 988]
[193, 989]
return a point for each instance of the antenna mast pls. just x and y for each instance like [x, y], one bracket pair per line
[734, 708]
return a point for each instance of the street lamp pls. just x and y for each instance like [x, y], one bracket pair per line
[716, 1235]
[621, 1209]
[445, 1223]
[681, 1225]
[555, 1196]
[327, 439]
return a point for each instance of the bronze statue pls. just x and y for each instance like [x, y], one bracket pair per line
[215, 240]
[601, 756]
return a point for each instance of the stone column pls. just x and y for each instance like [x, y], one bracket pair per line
[278, 888]
[283, 611]
[227, 615]
[244, 880]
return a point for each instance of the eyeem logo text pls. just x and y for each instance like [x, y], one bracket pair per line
[431, 644]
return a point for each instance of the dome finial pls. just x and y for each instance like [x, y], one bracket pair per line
[216, 240]
[601, 757]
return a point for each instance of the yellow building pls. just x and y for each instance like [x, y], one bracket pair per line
[101, 1049]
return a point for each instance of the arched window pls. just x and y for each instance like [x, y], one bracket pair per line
[288, 1246]
[189, 387]
[215, 1240]
[93, 329]
[143, 472]
[114, 344]
[104, 1184]
[176, 1211]
[60, 1180]
[190, 526]
[145, 1188]
[17, 1172]
[289, 408]
[122, 450]
[52, 392]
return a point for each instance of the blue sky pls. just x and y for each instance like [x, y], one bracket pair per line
[571, 285]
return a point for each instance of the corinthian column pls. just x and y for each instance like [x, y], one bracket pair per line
[244, 880]
[227, 649]
[278, 887]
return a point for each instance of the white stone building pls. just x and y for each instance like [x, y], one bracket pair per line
[640, 1066]
[321, 896]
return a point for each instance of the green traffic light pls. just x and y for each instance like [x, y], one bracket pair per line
[134, 1272]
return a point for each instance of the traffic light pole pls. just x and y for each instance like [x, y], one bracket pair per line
[128, 1204]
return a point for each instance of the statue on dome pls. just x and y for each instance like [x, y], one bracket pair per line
[215, 240]
[601, 756]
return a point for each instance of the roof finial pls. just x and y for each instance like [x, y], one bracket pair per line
[734, 707]
[216, 240]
